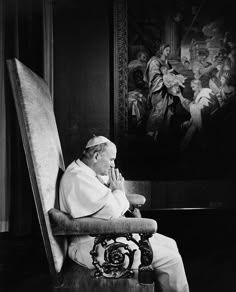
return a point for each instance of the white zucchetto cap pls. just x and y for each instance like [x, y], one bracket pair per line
[96, 140]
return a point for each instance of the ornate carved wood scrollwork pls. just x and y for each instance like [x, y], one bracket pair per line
[145, 269]
[120, 69]
[119, 257]
[115, 255]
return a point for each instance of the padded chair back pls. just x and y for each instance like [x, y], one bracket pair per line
[42, 149]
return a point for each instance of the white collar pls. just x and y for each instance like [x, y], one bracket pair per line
[79, 164]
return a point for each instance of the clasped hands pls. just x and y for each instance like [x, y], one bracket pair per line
[116, 179]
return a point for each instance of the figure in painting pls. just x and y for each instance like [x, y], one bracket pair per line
[232, 56]
[202, 68]
[162, 99]
[137, 93]
[226, 92]
[187, 65]
[224, 65]
[227, 101]
[187, 72]
[202, 107]
[170, 79]
[225, 117]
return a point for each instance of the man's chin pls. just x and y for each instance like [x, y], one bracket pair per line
[104, 173]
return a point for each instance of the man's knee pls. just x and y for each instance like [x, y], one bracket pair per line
[163, 242]
[173, 244]
[167, 258]
[170, 273]
[176, 258]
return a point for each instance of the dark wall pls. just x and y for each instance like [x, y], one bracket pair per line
[23, 29]
[82, 61]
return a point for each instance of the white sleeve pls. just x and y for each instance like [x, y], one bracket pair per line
[83, 195]
[116, 205]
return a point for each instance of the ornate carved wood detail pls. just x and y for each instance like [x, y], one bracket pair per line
[116, 254]
[120, 69]
[145, 269]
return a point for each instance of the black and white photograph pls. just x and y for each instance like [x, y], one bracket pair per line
[117, 146]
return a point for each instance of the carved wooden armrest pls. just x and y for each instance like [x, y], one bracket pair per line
[107, 234]
[63, 224]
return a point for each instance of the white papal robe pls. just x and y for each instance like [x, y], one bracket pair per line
[82, 194]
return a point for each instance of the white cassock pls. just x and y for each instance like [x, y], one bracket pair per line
[82, 194]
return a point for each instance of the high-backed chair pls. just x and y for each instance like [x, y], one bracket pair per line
[45, 165]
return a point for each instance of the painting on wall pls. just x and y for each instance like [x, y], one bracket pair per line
[176, 104]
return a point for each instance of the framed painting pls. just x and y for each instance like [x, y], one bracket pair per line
[174, 88]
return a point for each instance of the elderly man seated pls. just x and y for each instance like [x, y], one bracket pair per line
[84, 193]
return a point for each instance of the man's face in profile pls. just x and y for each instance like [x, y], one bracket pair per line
[106, 160]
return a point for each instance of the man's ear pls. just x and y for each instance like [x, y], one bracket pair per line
[96, 156]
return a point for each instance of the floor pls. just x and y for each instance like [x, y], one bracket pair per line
[205, 239]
